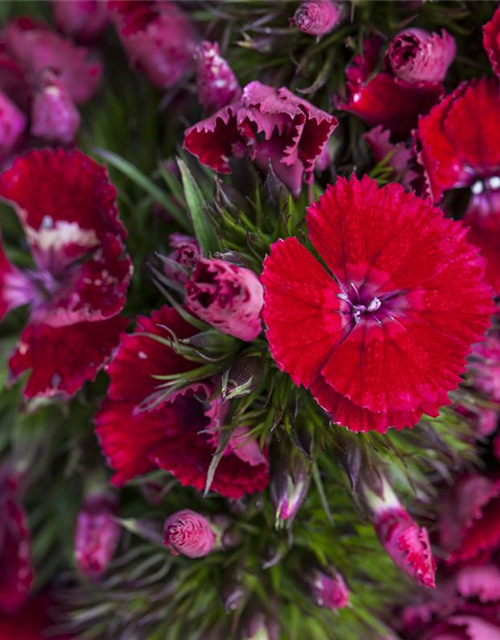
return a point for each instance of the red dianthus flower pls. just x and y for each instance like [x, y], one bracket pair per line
[386, 339]
[179, 434]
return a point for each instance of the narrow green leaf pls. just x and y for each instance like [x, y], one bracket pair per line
[153, 191]
[203, 229]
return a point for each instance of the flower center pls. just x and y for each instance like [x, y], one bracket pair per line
[489, 184]
[364, 305]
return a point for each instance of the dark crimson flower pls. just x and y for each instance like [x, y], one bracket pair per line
[83, 20]
[470, 519]
[185, 254]
[405, 542]
[67, 207]
[317, 17]
[386, 340]
[189, 533]
[491, 41]
[139, 430]
[271, 126]
[226, 296]
[54, 116]
[417, 56]
[12, 126]
[35, 49]
[16, 570]
[383, 99]
[216, 82]
[97, 534]
[329, 590]
[158, 38]
[31, 622]
[460, 148]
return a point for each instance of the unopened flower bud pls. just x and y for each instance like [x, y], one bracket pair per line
[97, 535]
[217, 85]
[415, 55]
[82, 20]
[54, 116]
[405, 542]
[329, 591]
[228, 297]
[188, 533]
[317, 17]
[259, 624]
[233, 594]
[290, 476]
[182, 259]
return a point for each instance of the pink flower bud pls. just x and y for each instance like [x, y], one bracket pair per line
[290, 475]
[317, 17]
[82, 20]
[330, 591]
[54, 117]
[188, 533]
[226, 296]
[180, 262]
[216, 82]
[96, 535]
[12, 125]
[405, 542]
[415, 55]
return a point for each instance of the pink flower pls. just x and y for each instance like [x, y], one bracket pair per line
[83, 20]
[491, 41]
[378, 341]
[54, 117]
[158, 38]
[12, 126]
[97, 534]
[417, 56]
[67, 207]
[329, 591]
[470, 519]
[185, 254]
[216, 82]
[189, 533]
[405, 542]
[397, 155]
[35, 48]
[139, 431]
[383, 99]
[485, 366]
[16, 570]
[317, 17]
[271, 126]
[227, 297]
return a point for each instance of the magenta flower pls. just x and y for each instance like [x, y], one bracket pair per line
[398, 156]
[188, 533]
[417, 56]
[76, 290]
[158, 38]
[54, 116]
[271, 126]
[491, 41]
[83, 20]
[12, 126]
[330, 591]
[485, 366]
[405, 542]
[216, 82]
[97, 534]
[317, 17]
[226, 296]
